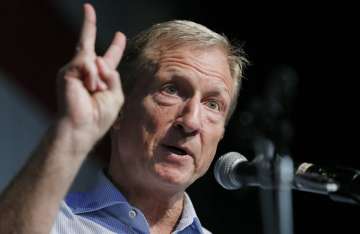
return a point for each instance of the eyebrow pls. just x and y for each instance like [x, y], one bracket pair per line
[215, 90]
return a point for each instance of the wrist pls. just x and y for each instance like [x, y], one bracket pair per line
[71, 140]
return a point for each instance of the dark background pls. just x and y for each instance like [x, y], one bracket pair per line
[313, 48]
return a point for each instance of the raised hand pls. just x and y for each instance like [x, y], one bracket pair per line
[90, 94]
[90, 98]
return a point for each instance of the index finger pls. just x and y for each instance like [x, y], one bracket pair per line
[88, 30]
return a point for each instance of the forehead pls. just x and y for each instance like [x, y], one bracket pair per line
[210, 63]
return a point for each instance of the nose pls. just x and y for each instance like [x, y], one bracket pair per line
[189, 118]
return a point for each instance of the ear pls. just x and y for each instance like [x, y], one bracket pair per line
[117, 123]
[222, 134]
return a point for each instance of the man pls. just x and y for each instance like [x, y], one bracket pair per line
[181, 81]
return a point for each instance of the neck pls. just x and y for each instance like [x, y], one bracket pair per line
[162, 208]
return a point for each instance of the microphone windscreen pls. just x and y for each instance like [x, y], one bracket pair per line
[224, 170]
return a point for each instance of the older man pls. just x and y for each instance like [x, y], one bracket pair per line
[181, 82]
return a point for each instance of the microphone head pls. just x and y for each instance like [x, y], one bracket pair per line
[224, 170]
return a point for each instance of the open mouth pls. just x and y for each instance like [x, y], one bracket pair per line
[176, 150]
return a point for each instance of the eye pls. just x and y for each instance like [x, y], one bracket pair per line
[170, 89]
[213, 104]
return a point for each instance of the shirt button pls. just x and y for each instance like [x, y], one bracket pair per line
[132, 213]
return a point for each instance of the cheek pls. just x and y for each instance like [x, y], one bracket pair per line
[156, 119]
[212, 136]
[152, 116]
[205, 162]
[210, 142]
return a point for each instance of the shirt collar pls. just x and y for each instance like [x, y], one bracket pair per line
[105, 195]
[188, 216]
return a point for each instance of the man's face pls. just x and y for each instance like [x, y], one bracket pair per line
[173, 121]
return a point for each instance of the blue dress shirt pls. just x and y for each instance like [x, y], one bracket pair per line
[103, 209]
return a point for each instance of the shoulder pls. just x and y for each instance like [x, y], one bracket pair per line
[63, 219]
[68, 222]
[205, 231]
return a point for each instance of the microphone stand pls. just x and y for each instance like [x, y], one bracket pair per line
[276, 174]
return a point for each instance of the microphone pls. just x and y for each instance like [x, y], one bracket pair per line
[233, 171]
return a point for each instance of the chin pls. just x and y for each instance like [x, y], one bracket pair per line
[173, 177]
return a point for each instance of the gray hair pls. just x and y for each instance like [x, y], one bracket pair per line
[140, 53]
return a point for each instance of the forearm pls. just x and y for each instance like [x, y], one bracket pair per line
[31, 201]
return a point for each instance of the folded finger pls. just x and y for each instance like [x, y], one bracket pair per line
[110, 76]
[90, 76]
